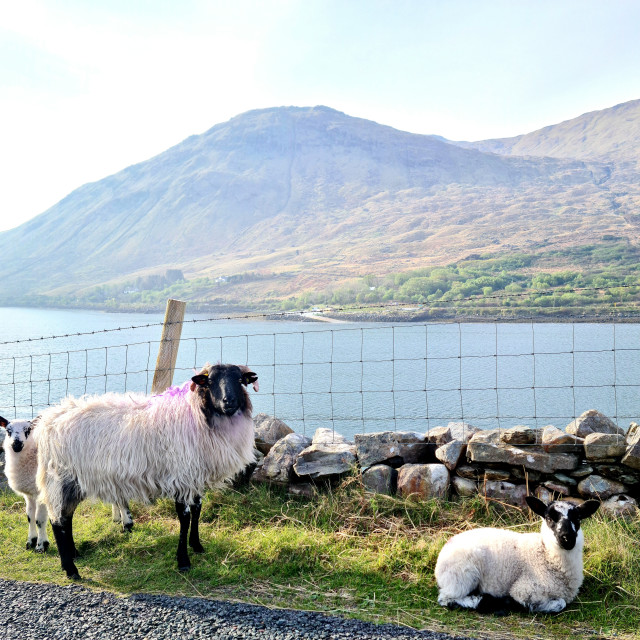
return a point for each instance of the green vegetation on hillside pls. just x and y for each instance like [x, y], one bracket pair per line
[343, 552]
[597, 277]
[592, 280]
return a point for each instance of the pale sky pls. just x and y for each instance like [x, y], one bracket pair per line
[89, 87]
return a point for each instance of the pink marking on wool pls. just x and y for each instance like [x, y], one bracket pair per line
[178, 391]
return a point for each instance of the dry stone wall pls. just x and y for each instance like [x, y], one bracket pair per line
[590, 458]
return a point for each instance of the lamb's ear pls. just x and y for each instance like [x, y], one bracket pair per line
[201, 380]
[588, 508]
[536, 505]
[3, 422]
[249, 377]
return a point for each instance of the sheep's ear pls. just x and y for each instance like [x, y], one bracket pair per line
[201, 380]
[588, 508]
[3, 422]
[249, 377]
[536, 505]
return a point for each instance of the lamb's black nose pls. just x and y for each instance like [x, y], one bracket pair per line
[17, 446]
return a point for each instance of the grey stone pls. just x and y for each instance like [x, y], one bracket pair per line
[519, 435]
[462, 431]
[598, 487]
[620, 506]
[464, 486]
[277, 465]
[582, 471]
[496, 475]
[508, 492]
[546, 495]
[423, 480]
[557, 487]
[528, 475]
[268, 431]
[324, 435]
[380, 478]
[604, 446]
[633, 434]
[472, 472]
[592, 421]
[439, 435]
[531, 458]
[451, 453]
[631, 457]
[3, 479]
[561, 477]
[489, 436]
[392, 447]
[325, 460]
[555, 440]
[302, 490]
[617, 472]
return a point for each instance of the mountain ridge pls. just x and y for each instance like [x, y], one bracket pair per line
[569, 138]
[314, 196]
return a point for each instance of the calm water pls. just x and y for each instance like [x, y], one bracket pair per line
[354, 377]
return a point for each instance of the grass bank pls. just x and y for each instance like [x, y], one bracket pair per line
[340, 553]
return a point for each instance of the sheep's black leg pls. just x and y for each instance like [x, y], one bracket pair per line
[194, 534]
[499, 606]
[63, 528]
[184, 516]
[31, 519]
[74, 550]
[64, 540]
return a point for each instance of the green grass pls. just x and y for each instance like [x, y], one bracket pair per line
[342, 552]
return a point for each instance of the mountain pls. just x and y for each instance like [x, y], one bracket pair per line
[308, 197]
[608, 135]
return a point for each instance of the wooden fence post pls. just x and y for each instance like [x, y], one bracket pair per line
[169, 344]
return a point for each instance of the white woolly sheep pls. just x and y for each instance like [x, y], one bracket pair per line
[122, 447]
[495, 570]
[21, 463]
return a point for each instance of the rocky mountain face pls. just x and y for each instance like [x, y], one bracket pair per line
[609, 135]
[313, 196]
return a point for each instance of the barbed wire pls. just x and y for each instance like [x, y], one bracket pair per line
[368, 378]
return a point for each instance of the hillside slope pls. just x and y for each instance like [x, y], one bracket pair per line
[312, 196]
[610, 135]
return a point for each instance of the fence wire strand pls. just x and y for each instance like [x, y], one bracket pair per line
[367, 378]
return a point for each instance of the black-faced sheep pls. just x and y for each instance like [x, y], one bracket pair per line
[496, 570]
[122, 447]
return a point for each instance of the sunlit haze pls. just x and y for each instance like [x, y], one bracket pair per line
[89, 88]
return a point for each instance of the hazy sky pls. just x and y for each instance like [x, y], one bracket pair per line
[88, 87]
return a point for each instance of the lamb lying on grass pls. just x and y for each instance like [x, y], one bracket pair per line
[496, 570]
[21, 462]
[122, 447]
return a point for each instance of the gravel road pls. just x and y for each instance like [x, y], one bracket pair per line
[31, 611]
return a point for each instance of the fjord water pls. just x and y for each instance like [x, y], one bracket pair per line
[353, 377]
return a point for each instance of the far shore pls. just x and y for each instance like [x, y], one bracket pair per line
[337, 316]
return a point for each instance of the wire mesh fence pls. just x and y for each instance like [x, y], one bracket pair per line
[358, 378]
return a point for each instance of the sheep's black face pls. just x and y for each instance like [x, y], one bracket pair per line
[563, 518]
[223, 389]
